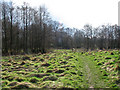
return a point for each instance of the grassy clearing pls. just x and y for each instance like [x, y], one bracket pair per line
[62, 69]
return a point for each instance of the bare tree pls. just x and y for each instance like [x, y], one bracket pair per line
[11, 27]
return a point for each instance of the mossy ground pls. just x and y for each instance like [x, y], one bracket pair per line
[62, 69]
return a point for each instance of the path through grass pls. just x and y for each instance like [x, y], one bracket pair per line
[62, 69]
[92, 75]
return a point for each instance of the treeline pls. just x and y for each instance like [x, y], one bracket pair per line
[29, 30]
[102, 37]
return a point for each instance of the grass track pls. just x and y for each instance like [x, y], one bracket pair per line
[61, 69]
[92, 75]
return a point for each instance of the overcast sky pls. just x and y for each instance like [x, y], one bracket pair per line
[77, 13]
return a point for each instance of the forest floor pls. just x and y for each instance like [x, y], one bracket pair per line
[62, 69]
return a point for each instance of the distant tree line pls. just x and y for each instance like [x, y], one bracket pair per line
[29, 30]
[102, 37]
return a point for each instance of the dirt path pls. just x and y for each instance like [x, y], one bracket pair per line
[92, 75]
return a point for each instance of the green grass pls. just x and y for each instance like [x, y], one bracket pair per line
[62, 69]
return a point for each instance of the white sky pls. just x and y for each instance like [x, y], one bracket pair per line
[77, 13]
